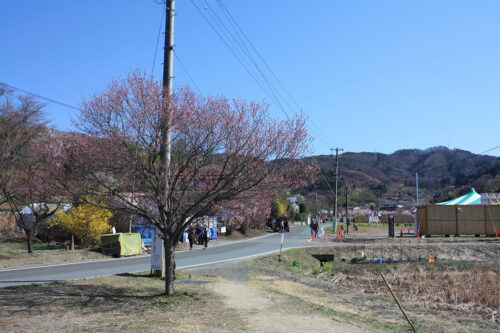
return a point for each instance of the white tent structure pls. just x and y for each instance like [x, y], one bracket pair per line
[471, 198]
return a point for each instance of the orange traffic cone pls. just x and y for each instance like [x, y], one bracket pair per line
[418, 233]
[314, 237]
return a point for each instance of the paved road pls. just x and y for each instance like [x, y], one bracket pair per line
[299, 236]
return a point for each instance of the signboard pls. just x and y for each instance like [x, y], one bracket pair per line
[222, 230]
[156, 252]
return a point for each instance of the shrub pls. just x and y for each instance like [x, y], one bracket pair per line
[327, 267]
[86, 222]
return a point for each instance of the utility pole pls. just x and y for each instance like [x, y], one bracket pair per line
[334, 220]
[346, 207]
[316, 205]
[166, 119]
[416, 184]
[416, 207]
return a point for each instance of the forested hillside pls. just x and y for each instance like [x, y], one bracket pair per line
[442, 174]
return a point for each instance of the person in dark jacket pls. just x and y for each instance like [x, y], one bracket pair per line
[198, 235]
[205, 237]
[191, 238]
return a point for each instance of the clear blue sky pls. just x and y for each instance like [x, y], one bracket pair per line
[370, 75]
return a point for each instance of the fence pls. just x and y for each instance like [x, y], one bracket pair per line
[458, 220]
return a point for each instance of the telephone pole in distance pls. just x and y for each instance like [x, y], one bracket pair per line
[334, 219]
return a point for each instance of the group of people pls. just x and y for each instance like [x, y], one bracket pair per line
[198, 235]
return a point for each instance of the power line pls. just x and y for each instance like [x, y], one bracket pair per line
[187, 72]
[244, 49]
[40, 96]
[235, 39]
[235, 23]
[157, 41]
[327, 183]
[464, 159]
[238, 58]
[424, 169]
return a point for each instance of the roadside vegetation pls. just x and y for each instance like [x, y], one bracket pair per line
[443, 296]
[14, 254]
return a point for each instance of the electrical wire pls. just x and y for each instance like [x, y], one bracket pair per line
[238, 28]
[424, 169]
[157, 41]
[187, 72]
[40, 96]
[240, 46]
[238, 58]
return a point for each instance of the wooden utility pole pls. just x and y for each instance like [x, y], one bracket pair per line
[346, 207]
[166, 120]
[316, 205]
[334, 219]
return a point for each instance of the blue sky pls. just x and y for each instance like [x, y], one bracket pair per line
[370, 75]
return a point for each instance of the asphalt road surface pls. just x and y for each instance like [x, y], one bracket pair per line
[299, 236]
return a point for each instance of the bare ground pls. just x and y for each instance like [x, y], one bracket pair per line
[265, 312]
[128, 303]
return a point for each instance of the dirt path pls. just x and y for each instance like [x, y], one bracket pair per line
[263, 314]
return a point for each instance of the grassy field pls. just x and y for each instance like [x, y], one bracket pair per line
[127, 303]
[444, 296]
[15, 254]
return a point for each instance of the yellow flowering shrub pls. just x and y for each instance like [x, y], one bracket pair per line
[86, 222]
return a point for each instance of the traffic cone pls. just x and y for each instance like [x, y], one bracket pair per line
[314, 237]
[418, 233]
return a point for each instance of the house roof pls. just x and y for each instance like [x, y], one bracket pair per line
[43, 206]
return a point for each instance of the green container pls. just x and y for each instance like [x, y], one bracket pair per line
[121, 244]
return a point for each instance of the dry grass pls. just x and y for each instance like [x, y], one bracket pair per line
[14, 254]
[127, 303]
[473, 293]
[444, 296]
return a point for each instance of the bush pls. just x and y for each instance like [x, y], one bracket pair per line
[87, 222]
[327, 267]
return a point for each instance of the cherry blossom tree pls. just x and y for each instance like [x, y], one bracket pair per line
[221, 150]
[35, 192]
[30, 163]
[20, 125]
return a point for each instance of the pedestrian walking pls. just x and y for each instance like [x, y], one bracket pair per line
[205, 237]
[191, 238]
[198, 235]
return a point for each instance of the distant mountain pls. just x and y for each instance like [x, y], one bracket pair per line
[442, 174]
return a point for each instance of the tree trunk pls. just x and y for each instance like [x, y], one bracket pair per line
[29, 239]
[169, 246]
